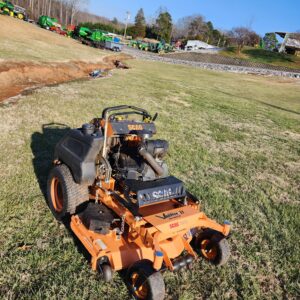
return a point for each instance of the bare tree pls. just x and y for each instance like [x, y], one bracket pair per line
[242, 36]
[197, 26]
[181, 28]
[66, 4]
[190, 27]
[75, 6]
[61, 10]
[49, 7]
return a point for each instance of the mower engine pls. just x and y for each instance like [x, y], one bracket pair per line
[139, 169]
[139, 160]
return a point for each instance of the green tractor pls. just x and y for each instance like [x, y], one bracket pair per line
[160, 47]
[143, 46]
[96, 38]
[7, 8]
[152, 47]
[48, 22]
[80, 33]
[168, 48]
[133, 44]
[157, 47]
[103, 40]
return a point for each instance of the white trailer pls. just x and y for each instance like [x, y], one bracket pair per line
[193, 45]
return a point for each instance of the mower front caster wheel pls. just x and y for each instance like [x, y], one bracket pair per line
[213, 247]
[105, 271]
[144, 282]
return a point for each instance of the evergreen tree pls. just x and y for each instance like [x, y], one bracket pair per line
[140, 24]
[115, 21]
[164, 26]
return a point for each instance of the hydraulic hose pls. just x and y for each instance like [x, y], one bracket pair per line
[151, 161]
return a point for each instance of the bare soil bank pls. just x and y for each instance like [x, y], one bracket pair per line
[15, 77]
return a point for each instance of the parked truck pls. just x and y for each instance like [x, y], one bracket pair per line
[113, 45]
[98, 38]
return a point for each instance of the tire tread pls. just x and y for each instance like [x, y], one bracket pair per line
[74, 194]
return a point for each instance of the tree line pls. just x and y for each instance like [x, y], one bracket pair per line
[65, 11]
[162, 27]
[190, 28]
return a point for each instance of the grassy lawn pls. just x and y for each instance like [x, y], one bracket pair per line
[234, 139]
[264, 56]
[22, 41]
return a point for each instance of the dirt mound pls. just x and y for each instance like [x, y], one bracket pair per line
[16, 77]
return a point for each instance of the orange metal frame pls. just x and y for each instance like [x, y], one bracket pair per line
[161, 234]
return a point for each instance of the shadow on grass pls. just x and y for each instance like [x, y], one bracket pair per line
[231, 49]
[42, 146]
[259, 101]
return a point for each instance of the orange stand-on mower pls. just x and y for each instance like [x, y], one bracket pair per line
[111, 182]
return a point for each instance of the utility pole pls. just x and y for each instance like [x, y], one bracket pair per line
[126, 22]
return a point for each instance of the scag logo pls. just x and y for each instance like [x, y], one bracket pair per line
[173, 225]
[162, 193]
[171, 215]
[135, 127]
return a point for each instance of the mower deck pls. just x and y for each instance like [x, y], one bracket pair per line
[161, 234]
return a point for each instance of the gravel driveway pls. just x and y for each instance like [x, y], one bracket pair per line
[210, 66]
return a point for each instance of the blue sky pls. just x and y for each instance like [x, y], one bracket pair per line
[261, 15]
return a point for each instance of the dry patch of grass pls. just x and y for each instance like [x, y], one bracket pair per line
[179, 99]
[22, 41]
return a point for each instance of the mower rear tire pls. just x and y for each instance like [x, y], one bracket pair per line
[213, 247]
[63, 193]
[144, 282]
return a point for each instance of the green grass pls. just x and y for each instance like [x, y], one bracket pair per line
[263, 56]
[234, 139]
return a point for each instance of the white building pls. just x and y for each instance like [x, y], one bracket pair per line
[193, 45]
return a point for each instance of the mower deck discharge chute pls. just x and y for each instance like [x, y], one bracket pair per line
[110, 179]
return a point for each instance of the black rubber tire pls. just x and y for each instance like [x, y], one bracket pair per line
[216, 241]
[153, 279]
[105, 271]
[73, 194]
